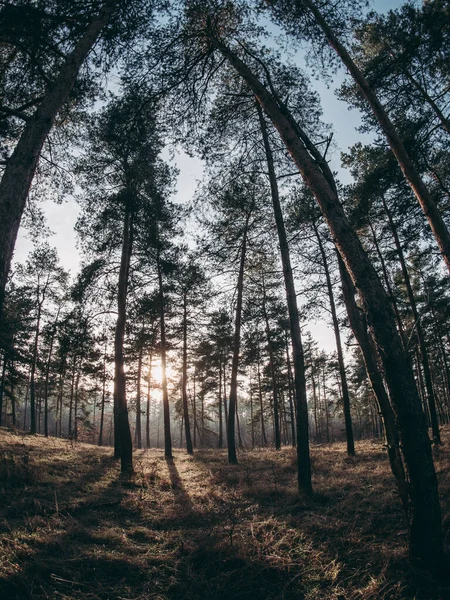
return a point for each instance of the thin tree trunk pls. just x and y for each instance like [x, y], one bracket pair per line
[149, 381]
[123, 445]
[138, 432]
[33, 370]
[232, 457]
[47, 372]
[220, 407]
[187, 425]
[261, 407]
[167, 435]
[303, 456]
[75, 405]
[340, 355]
[291, 399]
[21, 166]
[425, 531]
[276, 418]
[102, 410]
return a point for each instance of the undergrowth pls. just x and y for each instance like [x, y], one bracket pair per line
[196, 528]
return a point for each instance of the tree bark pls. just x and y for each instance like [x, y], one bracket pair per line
[21, 166]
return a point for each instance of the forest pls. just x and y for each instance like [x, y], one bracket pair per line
[170, 425]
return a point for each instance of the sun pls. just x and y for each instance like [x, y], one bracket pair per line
[157, 374]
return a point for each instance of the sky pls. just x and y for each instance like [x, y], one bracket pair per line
[62, 217]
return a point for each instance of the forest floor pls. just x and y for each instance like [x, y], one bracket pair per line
[196, 528]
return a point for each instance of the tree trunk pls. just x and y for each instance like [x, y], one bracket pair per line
[138, 432]
[2, 385]
[291, 399]
[409, 171]
[425, 530]
[388, 285]
[21, 166]
[340, 356]
[123, 444]
[102, 410]
[417, 324]
[167, 435]
[220, 407]
[276, 417]
[147, 421]
[47, 373]
[303, 456]
[33, 371]
[232, 457]
[187, 426]
[75, 405]
[261, 407]
[358, 325]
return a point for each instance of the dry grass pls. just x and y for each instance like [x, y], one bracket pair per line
[197, 528]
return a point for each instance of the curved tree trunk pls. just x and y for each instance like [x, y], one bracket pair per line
[425, 541]
[21, 166]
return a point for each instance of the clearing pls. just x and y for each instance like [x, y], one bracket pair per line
[196, 528]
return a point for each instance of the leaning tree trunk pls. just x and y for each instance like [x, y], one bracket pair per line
[166, 410]
[232, 457]
[431, 400]
[187, 426]
[425, 531]
[359, 328]
[21, 166]
[123, 444]
[303, 456]
[428, 205]
[340, 355]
